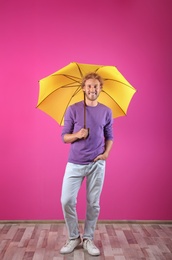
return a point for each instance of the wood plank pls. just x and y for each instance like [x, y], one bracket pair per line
[37, 241]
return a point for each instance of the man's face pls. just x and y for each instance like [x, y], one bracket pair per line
[92, 89]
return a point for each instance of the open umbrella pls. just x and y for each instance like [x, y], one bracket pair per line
[63, 88]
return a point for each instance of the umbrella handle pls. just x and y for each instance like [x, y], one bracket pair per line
[85, 115]
[84, 112]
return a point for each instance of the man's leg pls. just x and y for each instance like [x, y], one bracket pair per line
[95, 180]
[71, 184]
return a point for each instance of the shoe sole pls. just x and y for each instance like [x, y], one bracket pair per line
[90, 253]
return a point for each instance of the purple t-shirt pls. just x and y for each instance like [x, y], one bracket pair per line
[99, 121]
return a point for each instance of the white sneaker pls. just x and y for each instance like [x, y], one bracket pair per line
[90, 247]
[70, 246]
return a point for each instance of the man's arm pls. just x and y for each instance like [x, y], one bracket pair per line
[104, 156]
[81, 134]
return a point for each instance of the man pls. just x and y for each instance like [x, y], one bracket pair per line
[89, 149]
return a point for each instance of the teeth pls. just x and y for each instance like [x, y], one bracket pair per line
[91, 93]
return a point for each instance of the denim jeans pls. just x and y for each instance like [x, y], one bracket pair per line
[73, 178]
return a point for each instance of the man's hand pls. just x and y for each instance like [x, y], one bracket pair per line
[82, 133]
[102, 156]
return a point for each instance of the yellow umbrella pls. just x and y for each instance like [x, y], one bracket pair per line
[63, 88]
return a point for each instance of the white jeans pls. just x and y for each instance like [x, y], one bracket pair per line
[73, 178]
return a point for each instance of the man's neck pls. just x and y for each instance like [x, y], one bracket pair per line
[91, 103]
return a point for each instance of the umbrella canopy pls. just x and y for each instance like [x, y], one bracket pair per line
[63, 88]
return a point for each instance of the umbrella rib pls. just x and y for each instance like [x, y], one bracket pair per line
[99, 68]
[81, 74]
[68, 86]
[75, 79]
[76, 91]
[105, 79]
[119, 82]
[114, 101]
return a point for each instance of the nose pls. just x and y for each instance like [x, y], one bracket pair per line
[92, 89]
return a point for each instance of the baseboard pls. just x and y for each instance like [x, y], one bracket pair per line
[82, 221]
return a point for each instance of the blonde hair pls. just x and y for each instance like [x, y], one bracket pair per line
[92, 75]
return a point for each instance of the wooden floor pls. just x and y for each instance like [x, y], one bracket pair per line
[21, 241]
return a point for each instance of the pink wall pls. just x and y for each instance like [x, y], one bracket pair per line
[38, 38]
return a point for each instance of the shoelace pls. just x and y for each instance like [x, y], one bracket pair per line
[91, 244]
[67, 243]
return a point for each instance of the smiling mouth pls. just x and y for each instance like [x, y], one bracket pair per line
[92, 93]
